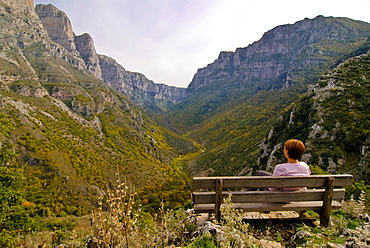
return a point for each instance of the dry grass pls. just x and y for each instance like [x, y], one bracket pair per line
[125, 225]
[355, 207]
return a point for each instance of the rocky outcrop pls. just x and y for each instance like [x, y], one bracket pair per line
[22, 5]
[59, 29]
[58, 25]
[85, 46]
[32, 91]
[140, 89]
[20, 29]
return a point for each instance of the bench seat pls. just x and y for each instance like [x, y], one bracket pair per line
[269, 206]
[267, 196]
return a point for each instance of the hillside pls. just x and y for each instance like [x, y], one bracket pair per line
[73, 132]
[332, 119]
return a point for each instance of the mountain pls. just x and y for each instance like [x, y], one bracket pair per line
[73, 133]
[286, 56]
[333, 119]
[153, 97]
[233, 102]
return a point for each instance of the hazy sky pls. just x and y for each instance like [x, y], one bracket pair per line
[168, 40]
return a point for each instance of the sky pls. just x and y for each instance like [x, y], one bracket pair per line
[169, 40]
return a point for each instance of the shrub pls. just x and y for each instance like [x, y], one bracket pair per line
[359, 191]
[124, 224]
[7, 239]
[116, 227]
[203, 242]
[234, 230]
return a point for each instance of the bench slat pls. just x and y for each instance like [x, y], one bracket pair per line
[268, 196]
[313, 181]
[257, 207]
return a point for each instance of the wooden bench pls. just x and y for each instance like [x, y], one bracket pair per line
[323, 194]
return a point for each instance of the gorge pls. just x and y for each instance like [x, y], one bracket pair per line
[78, 118]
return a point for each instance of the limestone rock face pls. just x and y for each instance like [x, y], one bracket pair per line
[20, 28]
[58, 25]
[85, 46]
[59, 30]
[81, 48]
[32, 91]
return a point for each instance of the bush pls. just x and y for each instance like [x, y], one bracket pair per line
[8, 239]
[203, 242]
[359, 191]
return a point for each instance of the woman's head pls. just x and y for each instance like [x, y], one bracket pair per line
[295, 148]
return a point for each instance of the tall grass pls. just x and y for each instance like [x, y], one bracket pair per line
[116, 227]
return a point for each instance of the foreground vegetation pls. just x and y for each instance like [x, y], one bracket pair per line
[120, 221]
[128, 218]
[156, 216]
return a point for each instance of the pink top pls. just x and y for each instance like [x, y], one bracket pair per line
[291, 169]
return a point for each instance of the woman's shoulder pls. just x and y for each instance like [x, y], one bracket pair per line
[303, 163]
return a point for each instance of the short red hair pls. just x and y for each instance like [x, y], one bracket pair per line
[295, 148]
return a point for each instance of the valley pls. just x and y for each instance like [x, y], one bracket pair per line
[73, 122]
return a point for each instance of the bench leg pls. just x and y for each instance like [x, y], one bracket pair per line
[326, 206]
[324, 220]
[218, 199]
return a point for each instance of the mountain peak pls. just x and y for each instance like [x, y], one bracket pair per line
[58, 25]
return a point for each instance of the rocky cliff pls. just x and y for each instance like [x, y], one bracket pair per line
[18, 19]
[59, 29]
[58, 26]
[136, 86]
[142, 90]
[26, 6]
[85, 46]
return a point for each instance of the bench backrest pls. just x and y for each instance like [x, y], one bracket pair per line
[232, 183]
[268, 196]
